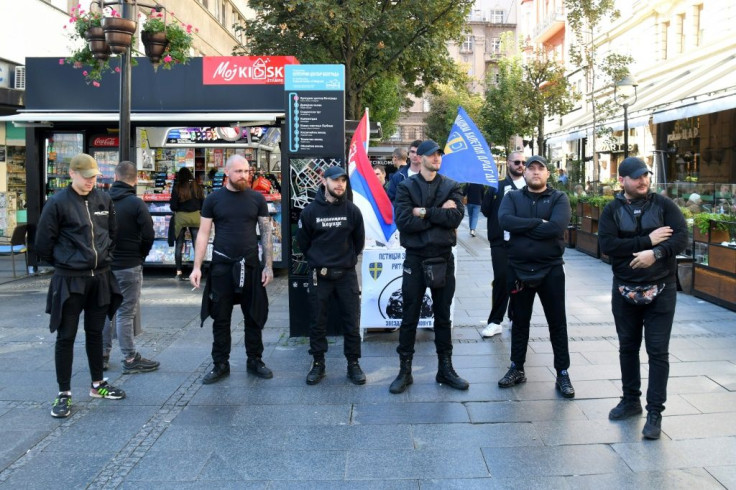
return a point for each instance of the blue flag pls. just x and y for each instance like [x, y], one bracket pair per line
[467, 155]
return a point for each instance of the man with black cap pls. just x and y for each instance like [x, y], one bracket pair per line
[428, 210]
[536, 217]
[331, 235]
[642, 232]
[77, 232]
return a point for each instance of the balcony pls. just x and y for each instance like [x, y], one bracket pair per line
[550, 25]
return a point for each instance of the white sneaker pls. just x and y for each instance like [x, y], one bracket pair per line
[491, 330]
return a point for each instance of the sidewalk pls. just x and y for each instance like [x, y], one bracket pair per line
[244, 432]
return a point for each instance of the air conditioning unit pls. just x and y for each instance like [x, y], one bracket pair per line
[20, 78]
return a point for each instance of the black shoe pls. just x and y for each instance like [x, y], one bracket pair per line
[653, 427]
[316, 373]
[62, 406]
[564, 384]
[512, 377]
[139, 364]
[446, 375]
[626, 408]
[404, 379]
[258, 367]
[355, 374]
[218, 372]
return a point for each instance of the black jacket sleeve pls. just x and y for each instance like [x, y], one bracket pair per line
[557, 221]
[145, 224]
[174, 202]
[486, 207]
[449, 218]
[47, 232]
[304, 233]
[403, 206]
[358, 231]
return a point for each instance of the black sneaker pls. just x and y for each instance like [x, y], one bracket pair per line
[355, 374]
[653, 427]
[512, 377]
[139, 365]
[218, 372]
[626, 408]
[258, 367]
[564, 384]
[316, 373]
[104, 390]
[62, 406]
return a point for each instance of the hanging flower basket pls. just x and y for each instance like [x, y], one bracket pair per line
[154, 44]
[178, 38]
[119, 33]
[96, 42]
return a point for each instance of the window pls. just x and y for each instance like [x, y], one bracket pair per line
[467, 46]
[498, 16]
[494, 45]
[698, 34]
[679, 34]
[663, 28]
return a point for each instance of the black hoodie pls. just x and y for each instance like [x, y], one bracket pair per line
[331, 234]
[135, 227]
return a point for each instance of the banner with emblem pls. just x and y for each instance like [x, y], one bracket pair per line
[381, 300]
[467, 155]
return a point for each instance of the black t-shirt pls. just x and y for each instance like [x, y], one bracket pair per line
[235, 216]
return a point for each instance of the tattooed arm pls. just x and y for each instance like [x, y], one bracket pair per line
[264, 228]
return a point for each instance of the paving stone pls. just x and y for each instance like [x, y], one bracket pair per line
[541, 483]
[171, 465]
[712, 402]
[446, 436]
[684, 479]
[698, 426]
[525, 411]
[271, 464]
[598, 431]
[415, 464]
[725, 475]
[410, 413]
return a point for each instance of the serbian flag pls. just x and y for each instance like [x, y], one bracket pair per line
[368, 194]
[467, 155]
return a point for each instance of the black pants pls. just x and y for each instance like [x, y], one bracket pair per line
[413, 287]
[180, 244]
[94, 321]
[552, 296]
[223, 300]
[344, 294]
[654, 321]
[500, 289]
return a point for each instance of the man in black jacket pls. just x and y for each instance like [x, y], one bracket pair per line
[536, 217]
[135, 239]
[405, 171]
[428, 210]
[514, 180]
[76, 234]
[642, 232]
[331, 235]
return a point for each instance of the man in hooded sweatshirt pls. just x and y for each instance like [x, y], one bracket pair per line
[134, 242]
[331, 235]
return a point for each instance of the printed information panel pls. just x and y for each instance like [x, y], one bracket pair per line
[381, 299]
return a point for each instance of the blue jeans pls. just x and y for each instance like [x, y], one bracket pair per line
[473, 213]
[654, 323]
[128, 314]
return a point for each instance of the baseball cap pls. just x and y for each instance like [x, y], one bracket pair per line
[536, 159]
[633, 167]
[85, 165]
[429, 147]
[334, 172]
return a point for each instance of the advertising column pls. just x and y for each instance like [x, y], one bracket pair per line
[314, 141]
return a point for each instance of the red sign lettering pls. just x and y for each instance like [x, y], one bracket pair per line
[105, 141]
[245, 70]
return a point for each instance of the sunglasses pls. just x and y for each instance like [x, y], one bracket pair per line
[518, 162]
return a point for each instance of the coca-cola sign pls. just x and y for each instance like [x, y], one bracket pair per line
[105, 141]
[245, 70]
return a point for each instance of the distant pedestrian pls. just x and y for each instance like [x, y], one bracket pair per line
[474, 196]
[380, 172]
[135, 239]
[236, 275]
[77, 238]
[498, 238]
[642, 232]
[331, 235]
[429, 209]
[405, 171]
[186, 202]
[536, 217]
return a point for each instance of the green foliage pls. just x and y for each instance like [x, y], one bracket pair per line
[178, 34]
[80, 22]
[720, 221]
[404, 41]
[599, 201]
[444, 101]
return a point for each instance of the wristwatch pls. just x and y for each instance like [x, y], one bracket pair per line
[658, 253]
[422, 212]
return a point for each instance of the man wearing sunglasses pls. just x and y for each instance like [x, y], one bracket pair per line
[515, 164]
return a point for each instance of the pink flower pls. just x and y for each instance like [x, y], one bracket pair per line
[167, 59]
[189, 28]
[61, 61]
[117, 69]
[196, 29]
[85, 73]
[96, 83]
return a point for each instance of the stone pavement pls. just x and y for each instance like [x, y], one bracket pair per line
[173, 432]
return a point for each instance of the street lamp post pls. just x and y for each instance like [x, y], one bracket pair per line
[624, 93]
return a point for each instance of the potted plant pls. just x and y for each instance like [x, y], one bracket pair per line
[717, 224]
[93, 56]
[167, 42]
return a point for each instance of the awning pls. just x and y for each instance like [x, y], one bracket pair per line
[249, 118]
[696, 109]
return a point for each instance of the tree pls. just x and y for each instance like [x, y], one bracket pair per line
[402, 41]
[444, 100]
[585, 18]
